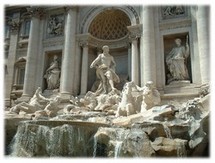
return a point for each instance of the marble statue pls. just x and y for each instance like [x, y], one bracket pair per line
[105, 71]
[107, 102]
[52, 75]
[176, 62]
[89, 101]
[37, 102]
[52, 108]
[127, 104]
[151, 96]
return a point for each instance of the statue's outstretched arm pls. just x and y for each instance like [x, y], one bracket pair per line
[95, 62]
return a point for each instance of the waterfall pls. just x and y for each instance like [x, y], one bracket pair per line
[167, 131]
[52, 139]
[94, 146]
[181, 150]
[117, 148]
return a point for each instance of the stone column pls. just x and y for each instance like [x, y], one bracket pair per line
[134, 61]
[134, 34]
[129, 61]
[148, 63]
[9, 78]
[68, 63]
[203, 42]
[77, 70]
[84, 69]
[32, 54]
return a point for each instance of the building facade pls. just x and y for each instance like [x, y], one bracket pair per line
[52, 47]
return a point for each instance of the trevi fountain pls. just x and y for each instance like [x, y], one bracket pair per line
[132, 122]
[111, 81]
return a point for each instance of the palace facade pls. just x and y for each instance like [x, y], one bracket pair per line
[140, 39]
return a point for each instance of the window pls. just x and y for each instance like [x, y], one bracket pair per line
[21, 76]
[19, 73]
[25, 28]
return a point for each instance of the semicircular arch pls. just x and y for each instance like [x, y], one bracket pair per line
[128, 10]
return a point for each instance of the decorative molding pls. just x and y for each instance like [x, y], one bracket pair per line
[22, 42]
[175, 24]
[135, 14]
[88, 39]
[53, 41]
[87, 17]
[67, 8]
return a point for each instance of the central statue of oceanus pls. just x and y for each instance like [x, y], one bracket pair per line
[105, 71]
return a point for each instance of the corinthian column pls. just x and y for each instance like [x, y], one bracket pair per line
[68, 63]
[134, 61]
[134, 34]
[32, 53]
[14, 30]
[148, 64]
[203, 42]
[84, 70]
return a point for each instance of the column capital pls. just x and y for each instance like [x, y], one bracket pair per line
[133, 37]
[135, 31]
[14, 25]
[83, 39]
[37, 12]
[74, 8]
[84, 44]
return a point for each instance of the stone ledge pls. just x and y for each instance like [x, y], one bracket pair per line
[179, 95]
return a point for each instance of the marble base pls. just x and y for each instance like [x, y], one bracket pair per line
[50, 93]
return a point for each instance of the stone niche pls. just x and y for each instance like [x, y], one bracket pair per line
[49, 58]
[169, 44]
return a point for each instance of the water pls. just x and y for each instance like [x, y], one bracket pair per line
[117, 149]
[95, 146]
[167, 131]
[181, 150]
[47, 140]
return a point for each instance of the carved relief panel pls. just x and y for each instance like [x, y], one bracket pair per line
[55, 25]
[169, 12]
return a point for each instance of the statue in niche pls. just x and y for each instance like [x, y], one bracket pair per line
[176, 62]
[55, 25]
[52, 75]
[105, 71]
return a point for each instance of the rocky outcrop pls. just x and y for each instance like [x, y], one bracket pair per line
[120, 142]
[161, 131]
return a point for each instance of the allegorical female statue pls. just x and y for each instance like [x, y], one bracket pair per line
[176, 62]
[52, 75]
